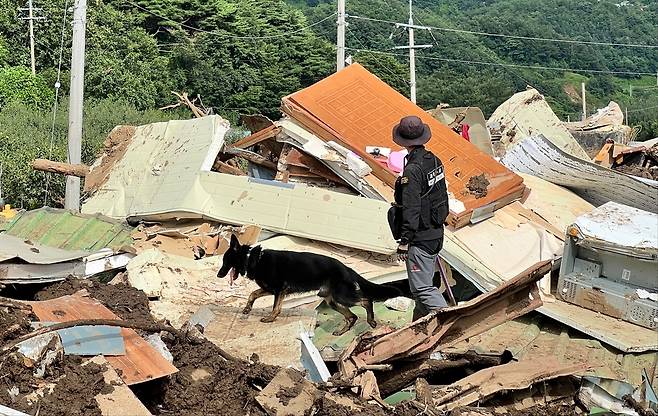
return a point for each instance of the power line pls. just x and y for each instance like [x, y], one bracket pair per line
[635, 110]
[385, 67]
[226, 35]
[502, 35]
[538, 67]
[56, 101]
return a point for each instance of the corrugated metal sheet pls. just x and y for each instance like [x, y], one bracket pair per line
[163, 176]
[140, 363]
[358, 109]
[537, 156]
[526, 114]
[13, 247]
[69, 230]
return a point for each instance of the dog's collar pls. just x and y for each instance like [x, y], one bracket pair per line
[260, 254]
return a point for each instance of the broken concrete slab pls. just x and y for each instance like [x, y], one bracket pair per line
[526, 114]
[288, 394]
[511, 376]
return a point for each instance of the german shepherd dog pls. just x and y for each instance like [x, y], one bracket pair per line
[281, 273]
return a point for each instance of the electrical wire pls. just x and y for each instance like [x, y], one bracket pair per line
[388, 70]
[56, 101]
[227, 35]
[502, 35]
[537, 67]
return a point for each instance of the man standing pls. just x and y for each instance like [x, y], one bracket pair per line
[422, 198]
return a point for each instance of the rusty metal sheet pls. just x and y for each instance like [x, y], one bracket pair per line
[140, 363]
[360, 110]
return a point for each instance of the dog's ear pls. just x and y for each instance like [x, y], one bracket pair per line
[235, 243]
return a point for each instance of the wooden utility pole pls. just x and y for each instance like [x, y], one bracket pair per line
[31, 18]
[582, 87]
[72, 199]
[340, 36]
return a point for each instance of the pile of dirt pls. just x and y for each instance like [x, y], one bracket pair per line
[639, 171]
[73, 394]
[125, 301]
[207, 382]
[477, 185]
[14, 323]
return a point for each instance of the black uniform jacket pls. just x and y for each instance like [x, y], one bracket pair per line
[423, 195]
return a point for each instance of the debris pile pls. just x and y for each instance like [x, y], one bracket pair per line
[118, 311]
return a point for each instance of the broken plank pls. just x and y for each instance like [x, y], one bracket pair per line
[79, 170]
[448, 326]
[224, 167]
[510, 376]
[121, 401]
[251, 157]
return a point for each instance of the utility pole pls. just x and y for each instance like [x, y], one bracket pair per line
[626, 120]
[582, 87]
[76, 98]
[340, 36]
[31, 18]
[412, 51]
[412, 56]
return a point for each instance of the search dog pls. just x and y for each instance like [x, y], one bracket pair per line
[282, 273]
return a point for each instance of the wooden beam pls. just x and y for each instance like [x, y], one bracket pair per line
[224, 167]
[252, 157]
[282, 173]
[62, 168]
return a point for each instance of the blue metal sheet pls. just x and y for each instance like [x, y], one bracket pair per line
[90, 340]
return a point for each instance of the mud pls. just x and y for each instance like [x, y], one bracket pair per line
[114, 148]
[231, 386]
[634, 170]
[125, 301]
[76, 386]
[477, 185]
[14, 323]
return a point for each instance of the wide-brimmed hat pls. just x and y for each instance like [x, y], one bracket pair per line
[411, 131]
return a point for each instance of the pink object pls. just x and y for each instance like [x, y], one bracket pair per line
[465, 134]
[396, 160]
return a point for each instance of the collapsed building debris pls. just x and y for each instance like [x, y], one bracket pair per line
[638, 160]
[470, 116]
[607, 124]
[527, 114]
[172, 334]
[537, 156]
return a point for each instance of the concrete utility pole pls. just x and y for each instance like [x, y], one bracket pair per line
[412, 51]
[412, 56]
[31, 18]
[340, 36]
[76, 98]
[582, 87]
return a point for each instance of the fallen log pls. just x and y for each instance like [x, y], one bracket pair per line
[62, 168]
[252, 157]
[406, 374]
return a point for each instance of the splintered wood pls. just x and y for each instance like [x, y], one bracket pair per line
[443, 329]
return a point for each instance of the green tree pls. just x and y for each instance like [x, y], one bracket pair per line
[19, 85]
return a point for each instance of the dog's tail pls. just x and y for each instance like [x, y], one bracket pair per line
[377, 292]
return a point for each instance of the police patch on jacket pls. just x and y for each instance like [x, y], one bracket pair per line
[404, 180]
[435, 176]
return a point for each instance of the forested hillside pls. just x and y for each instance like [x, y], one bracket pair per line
[242, 56]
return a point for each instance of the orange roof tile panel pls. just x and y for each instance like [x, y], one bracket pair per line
[140, 363]
[361, 110]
